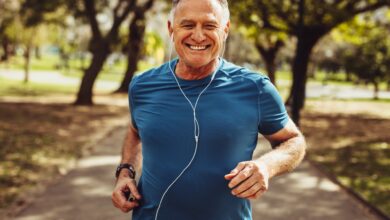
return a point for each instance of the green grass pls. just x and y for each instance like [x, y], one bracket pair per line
[364, 167]
[110, 72]
[18, 88]
[47, 62]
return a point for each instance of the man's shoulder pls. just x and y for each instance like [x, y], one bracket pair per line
[235, 71]
[150, 74]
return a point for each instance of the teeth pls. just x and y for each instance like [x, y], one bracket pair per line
[197, 47]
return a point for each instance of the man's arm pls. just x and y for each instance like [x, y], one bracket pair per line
[131, 153]
[131, 149]
[250, 178]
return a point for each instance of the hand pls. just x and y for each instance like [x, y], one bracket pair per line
[249, 179]
[118, 195]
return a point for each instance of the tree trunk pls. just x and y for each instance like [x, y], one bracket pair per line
[304, 47]
[269, 57]
[270, 67]
[376, 90]
[134, 46]
[6, 49]
[99, 56]
[27, 56]
[37, 53]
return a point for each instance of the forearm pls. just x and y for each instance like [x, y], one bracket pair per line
[285, 157]
[131, 150]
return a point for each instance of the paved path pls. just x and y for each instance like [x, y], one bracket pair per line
[85, 193]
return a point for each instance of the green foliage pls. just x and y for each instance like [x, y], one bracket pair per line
[250, 24]
[153, 47]
[285, 16]
[366, 48]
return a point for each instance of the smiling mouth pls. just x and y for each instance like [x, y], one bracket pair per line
[197, 47]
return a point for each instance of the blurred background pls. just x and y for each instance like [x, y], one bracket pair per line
[65, 66]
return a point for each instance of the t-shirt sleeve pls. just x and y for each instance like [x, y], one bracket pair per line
[132, 101]
[272, 112]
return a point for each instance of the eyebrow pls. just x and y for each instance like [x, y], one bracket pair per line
[186, 21]
[191, 21]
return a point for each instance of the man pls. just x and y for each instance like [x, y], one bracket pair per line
[198, 119]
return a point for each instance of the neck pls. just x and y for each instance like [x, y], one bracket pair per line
[187, 72]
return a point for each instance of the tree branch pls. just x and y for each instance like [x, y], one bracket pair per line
[371, 7]
[120, 17]
[90, 12]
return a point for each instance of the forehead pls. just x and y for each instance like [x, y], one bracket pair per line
[199, 10]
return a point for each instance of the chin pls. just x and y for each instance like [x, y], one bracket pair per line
[197, 62]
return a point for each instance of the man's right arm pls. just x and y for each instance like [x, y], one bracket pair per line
[131, 153]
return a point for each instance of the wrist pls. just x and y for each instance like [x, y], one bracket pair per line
[125, 170]
[263, 169]
[124, 173]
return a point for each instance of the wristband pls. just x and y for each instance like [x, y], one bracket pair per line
[126, 166]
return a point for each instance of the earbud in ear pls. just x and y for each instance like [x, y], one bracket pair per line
[171, 37]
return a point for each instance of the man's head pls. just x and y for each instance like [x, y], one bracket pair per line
[223, 3]
[199, 29]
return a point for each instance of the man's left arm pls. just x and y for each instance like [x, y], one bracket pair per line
[250, 178]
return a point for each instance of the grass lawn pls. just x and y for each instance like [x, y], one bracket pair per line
[350, 139]
[111, 71]
[11, 87]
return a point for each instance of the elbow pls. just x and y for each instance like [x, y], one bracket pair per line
[301, 148]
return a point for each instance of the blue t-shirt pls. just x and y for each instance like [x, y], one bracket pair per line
[238, 104]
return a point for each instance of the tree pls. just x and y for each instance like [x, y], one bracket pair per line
[267, 42]
[31, 26]
[308, 21]
[367, 57]
[100, 44]
[8, 10]
[134, 44]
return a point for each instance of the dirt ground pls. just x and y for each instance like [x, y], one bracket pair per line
[337, 124]
[41, 141]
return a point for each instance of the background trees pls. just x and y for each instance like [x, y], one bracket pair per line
[308, 21]
[263, 25]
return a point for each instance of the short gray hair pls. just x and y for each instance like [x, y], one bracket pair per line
[223, 3]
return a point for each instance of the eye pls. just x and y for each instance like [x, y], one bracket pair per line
[187, 26]
[210, 27]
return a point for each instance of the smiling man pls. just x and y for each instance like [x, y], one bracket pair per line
[194, 126]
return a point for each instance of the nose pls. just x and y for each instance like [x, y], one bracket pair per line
[198, 35]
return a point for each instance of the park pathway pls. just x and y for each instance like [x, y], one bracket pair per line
[85, 192]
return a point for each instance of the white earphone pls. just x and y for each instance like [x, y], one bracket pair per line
[196, 123]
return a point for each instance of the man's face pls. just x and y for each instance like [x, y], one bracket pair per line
[198, 31]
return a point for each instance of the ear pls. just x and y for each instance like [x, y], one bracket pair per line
[226, 29]
[170, 29]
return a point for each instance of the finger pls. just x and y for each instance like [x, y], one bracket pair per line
[240, 177]
[245, 185]
[130, 205]
[257, 195]
[133, 189]
[250, 191]
[240, 166]
[230, 176]
[118, 198]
